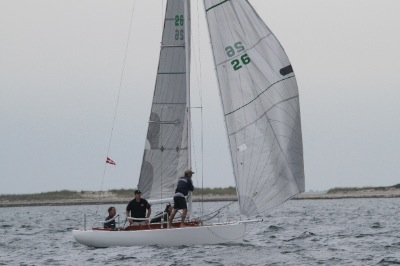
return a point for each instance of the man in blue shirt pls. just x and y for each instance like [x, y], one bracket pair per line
[183, 187]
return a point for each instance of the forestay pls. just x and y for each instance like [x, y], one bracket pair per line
[166, 150]
[261, 106]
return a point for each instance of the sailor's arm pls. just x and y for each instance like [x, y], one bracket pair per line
[148, 211]
[190, 183]
[127, 212]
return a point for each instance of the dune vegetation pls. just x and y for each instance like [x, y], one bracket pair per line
[359, 189]
[114, 193]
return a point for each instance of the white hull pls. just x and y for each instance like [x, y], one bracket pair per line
[199, 235]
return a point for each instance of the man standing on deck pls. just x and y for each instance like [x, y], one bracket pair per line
[182, 189]
[137, 209]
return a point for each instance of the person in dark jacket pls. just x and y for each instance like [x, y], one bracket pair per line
[110, 220]
[159, 216]
[183, 187]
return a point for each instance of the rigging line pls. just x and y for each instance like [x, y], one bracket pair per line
[201, 110]
[162, 165]
[217, 210]
[118, 92]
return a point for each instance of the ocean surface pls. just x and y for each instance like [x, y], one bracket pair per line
[302, 232]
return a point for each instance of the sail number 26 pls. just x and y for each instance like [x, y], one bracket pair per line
[233, 50]
[179, 32]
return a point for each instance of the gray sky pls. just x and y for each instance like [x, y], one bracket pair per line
[60, 63]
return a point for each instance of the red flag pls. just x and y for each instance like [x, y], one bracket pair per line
[110, 161]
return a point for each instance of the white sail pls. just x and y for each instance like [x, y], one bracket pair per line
[260, 101]
[166, 154]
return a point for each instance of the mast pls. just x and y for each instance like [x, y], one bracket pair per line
[188, 107]
[187, 51]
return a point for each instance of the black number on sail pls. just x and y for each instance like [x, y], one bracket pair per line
[179, 35]
[236, 64]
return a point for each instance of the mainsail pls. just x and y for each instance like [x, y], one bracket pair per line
[260, 101]
[166, 154]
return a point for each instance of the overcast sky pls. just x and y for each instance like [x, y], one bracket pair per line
[60, 66]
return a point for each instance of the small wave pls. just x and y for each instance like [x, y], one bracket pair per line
[26, 226]
[271, 228]
[376, 225]
[274, 228]
[121, 257]
[31, 233]
[245, 243]
[389, 261]
[51, 261]
[213, 262]
[364, 235]
[60, 230]
[394, 245]
[6, 226]
[304, 235]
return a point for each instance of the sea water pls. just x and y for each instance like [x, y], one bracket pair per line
[300, 232]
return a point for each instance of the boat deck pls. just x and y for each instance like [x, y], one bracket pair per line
[152, 226]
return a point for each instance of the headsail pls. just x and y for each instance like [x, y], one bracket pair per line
[166, 151]
[261, 106]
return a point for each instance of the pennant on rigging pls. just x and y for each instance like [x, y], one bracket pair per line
[110, 161]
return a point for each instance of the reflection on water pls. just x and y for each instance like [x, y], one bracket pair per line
[328, 232]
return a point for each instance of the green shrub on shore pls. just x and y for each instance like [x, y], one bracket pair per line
[123, 193]
[53, 195]
[126, 193]
[119, 193]
[357, 189]
[215, 191]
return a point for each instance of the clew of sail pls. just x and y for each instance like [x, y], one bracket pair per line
[260, 102]
[166, 150]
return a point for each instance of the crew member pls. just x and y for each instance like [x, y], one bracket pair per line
[110, 220]
[158, 217]
[183, 187]
[138, 208]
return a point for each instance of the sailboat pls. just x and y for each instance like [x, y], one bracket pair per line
[260, 101]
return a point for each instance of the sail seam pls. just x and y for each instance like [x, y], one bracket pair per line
[220, 3]
[237, 109]
[246, 50]
[168, 73]
[168, 103]
[168, 149]
[172, 46]
[269, 109]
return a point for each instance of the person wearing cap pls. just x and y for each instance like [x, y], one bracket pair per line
[183, 187]
[138, 208]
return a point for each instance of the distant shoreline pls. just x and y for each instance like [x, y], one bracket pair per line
[112, 197]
